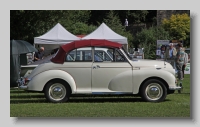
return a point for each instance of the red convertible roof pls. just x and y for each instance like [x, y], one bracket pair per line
[60, 56]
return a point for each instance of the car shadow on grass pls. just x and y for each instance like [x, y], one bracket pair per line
[75, 99]
[20, 97]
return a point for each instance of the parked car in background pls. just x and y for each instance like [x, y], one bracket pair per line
[27, 69]
[76, 71]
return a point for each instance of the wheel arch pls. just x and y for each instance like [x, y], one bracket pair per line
[158, 78]
[58, 79]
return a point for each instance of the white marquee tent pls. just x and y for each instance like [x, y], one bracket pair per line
[104, 32]
[55, 37]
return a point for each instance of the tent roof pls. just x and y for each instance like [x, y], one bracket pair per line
[57, 35]
[104, 32]
[60, 55]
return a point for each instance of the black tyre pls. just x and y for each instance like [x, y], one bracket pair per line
[57, 91]
[153, 90]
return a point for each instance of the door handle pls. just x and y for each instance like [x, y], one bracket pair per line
[136, 68]
[96, 67]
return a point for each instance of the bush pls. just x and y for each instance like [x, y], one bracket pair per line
[147, 39]
[178, 27]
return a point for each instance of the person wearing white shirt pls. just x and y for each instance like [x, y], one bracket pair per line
[126, 23]
[185, 61]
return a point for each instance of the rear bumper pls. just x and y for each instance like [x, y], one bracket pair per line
[21, 84]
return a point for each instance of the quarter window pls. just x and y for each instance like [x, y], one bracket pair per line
[80, 54]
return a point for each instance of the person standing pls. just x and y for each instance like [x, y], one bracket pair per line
[39, 55]
[179, 61]
[126, 23]
[185, 61]
[162, 52]
[170, 54]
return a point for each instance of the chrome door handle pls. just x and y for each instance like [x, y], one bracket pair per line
[138, 68]
[96, 67]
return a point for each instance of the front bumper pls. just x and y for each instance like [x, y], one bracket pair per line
[176, 88]
[21, 84]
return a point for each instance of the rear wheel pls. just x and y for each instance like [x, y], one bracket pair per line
[153, 90]
[57, 91]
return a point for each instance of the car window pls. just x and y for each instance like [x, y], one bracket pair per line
[108, 54]
[101, 54]
[80, 54]
[119, 57]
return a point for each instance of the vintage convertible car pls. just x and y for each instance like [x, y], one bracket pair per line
[27, 69]
[93, 72]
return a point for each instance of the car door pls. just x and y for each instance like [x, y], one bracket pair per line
[111, 75]
[78, 64]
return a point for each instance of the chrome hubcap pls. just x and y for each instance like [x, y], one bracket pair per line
[57, 91]
[154, 91]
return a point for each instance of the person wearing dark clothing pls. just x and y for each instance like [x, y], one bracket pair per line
[39, 55]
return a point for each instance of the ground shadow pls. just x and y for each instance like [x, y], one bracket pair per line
[76, 99]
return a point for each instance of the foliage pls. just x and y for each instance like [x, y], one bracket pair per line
[80, 28]
[27, 24]
[133, 16]
[147, 39]
[179, 27]
[112, 20]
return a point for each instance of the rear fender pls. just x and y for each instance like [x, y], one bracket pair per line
[38, 82]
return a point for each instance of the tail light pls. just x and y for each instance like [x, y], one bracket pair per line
[26, 81]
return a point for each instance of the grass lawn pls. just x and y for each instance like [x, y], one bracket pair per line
[24, 104]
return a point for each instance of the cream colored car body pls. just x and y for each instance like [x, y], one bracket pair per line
[102, 77]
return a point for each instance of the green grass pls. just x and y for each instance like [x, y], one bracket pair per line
[29, 104]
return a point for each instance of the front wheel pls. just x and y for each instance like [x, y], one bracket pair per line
[57, 92]
[153, 90]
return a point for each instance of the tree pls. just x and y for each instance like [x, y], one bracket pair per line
[179, 27]
[80, 28]
[147, 39]
[113, 21]
[27, 24]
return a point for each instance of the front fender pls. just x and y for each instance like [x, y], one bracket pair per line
[139, 76]
[122, 82]
[38, 82]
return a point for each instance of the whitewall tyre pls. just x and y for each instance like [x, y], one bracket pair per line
[153, 90]
[57, 92]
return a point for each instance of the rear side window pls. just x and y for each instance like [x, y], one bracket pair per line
[80, 54]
